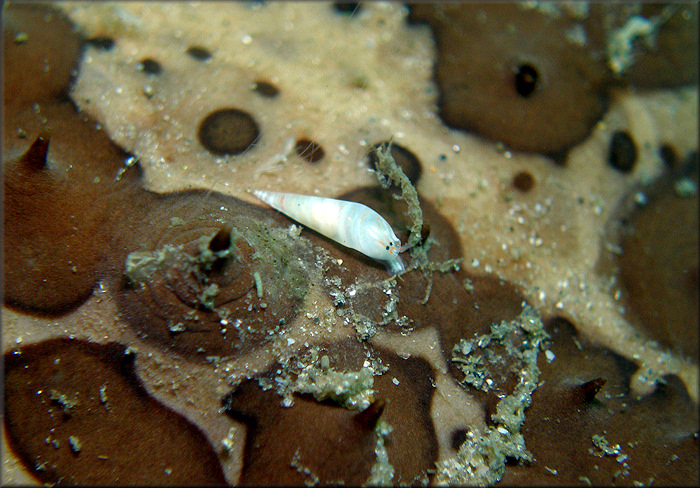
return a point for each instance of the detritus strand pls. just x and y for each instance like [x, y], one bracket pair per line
[388, 173]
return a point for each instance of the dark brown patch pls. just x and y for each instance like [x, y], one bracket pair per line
[76, 413]
[654, 436]
[35, 159]
[458, 437]
[310, 150]
[622, 153]
[511, 74]
[60, 191]
[59, 201]
[659, 266]
[204, 306]
[587, 391]
[199, 53]
[424, 233]
[222, 239]
[265, 89]
[491, 301]
[331, 445]
[523, 181]
[371, 415]
[412, 445]
[35, 70]
[228, 131]
[336, 445]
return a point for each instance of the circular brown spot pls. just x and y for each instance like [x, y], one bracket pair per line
[228, 131]
[265, 89]
[198, 52]
[309, 150]
[523, 181]
[622, 154]
[149, 66]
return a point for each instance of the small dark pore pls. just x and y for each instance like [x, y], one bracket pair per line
[309, 150]
[149, 66]
[622, 154]
[668, 155]
[523, 181]
[265, 89]
[458, 438]
[101, 42]
[347, 8]
[36, 156]
[587, 391]
[526, 78]
[424, 233]
[222, 239]
[370, 415]
[221, 242]
[198, 52]
[512, 461]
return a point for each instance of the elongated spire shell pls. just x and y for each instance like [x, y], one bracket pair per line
[351, 224]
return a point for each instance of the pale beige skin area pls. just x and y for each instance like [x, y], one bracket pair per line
[551, 253]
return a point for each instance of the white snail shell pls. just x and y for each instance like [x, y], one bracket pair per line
[351, 224]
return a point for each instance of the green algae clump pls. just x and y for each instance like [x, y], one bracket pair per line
[482, 456]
